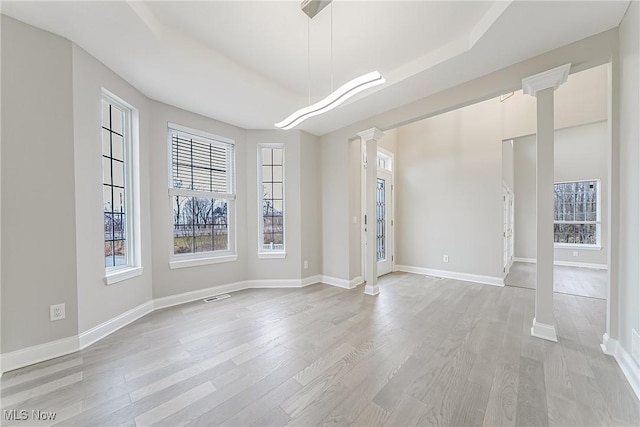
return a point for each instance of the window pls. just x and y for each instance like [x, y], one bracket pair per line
[119, 156]
[271, 193]
[202, 193]
[577, 213]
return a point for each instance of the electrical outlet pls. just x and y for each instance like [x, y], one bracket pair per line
[445, 258]
[57, 312]
[575, 253]
[306, 264]
[635, 344]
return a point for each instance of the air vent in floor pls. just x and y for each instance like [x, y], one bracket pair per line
[217, 298]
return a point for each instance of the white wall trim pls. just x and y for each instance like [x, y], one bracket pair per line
[334, 281]
[356, 281]
[466, 277]
[39, 353]
[544, 331]
[566, 263]
[185, 297]
[629, 366]
[85, 339]
[311, 280]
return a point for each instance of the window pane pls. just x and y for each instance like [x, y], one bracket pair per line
[267, 175]
[199, 225]
[118, 200]
[277, 191]
[118, 173]
[585, 234]
[106, 143]
[109, 260]
[106, 170]
[266, 156]
[277, 174]
[105, 114]
[119, 254]
[117, 144]
[277, 156]
[106, 197]
[117, 120]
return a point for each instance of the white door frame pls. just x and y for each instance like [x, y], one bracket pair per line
[363, 207]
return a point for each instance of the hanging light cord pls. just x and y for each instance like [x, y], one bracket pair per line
[331, 46]
[309, 56]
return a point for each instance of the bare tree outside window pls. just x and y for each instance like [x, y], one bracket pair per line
[576, 213]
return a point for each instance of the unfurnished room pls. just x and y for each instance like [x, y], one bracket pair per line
[320, 212]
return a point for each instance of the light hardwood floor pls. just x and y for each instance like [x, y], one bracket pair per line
[423, 352]
[586, 282]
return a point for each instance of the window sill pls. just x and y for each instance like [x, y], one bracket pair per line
[123, 274]
[272, 255]
[576, 247]
[194, 262]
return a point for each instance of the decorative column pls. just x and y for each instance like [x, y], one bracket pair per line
[370, 139]
[542, 86]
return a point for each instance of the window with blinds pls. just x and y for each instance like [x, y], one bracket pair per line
[202, 191]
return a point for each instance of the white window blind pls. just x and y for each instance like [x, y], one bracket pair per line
[201, 164]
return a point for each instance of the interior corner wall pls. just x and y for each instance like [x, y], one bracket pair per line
[278, 268]
[167, 281]
[97, 302]
[311, 204]
[336, 223]
[38, 202]
[449, 191]
[580, 154]
[629, 244]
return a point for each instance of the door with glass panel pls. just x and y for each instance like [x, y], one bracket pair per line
[384, 222]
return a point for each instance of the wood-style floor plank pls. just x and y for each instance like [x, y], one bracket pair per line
[424, 351]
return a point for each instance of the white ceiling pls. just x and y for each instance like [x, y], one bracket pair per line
[246, 62]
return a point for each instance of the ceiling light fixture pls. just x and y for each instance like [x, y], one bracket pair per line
[337, 97]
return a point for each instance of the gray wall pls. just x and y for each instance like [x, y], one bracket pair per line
[629, 251]
[311, 204]
[449, 191]
[580, 154]
[98, 303]
[38, 206]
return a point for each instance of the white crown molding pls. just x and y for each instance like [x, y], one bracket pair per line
[544, 331]
[369, 134]
[547, 79]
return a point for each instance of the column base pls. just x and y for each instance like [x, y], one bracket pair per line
[544, 331]
[371, 290]
[608, 345]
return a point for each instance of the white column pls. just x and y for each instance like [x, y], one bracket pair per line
[370, 138]
[542, 86]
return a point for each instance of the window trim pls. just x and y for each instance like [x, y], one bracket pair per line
[598, 222]
[209, 257]
[133, 267]
[276, 253]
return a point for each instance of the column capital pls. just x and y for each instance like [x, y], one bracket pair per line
[371, 134]
[547, 79]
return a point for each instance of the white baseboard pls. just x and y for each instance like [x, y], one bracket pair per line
[544, 331]
[355, 282]
[629, 366]
[39, 353]
[311, 280]
[85, 339]
[334, 281]
[185, 297]
[476, 278]
[567, 263]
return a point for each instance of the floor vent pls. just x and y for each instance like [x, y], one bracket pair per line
[433, 277]
[217, 298]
